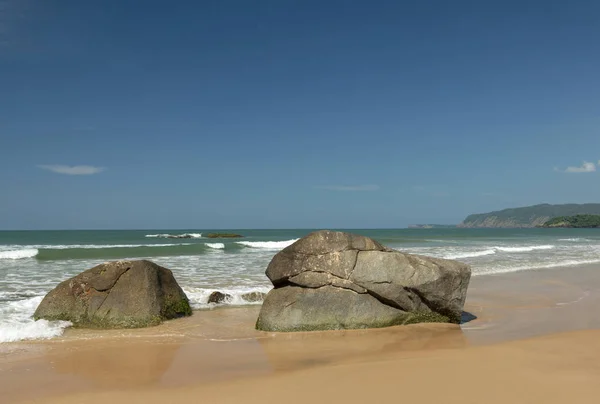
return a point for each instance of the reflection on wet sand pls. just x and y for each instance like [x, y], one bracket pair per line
[88, 365]
[124, 365]
[532, 303]
[119, 363]
[299, 350]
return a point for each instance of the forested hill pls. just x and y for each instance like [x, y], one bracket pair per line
[529, 216]
[577, 221]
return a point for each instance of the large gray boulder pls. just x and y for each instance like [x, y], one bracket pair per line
[120, 294]
[334, 280]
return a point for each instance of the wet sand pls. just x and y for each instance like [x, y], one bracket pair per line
[519, 343]
[561, 368]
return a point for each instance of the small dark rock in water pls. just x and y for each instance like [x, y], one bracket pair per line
[218, 297]
[120, 294]
[254, 296]
[223, 235]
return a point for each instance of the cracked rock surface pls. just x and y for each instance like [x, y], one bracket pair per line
[335, 280]
[119, 294]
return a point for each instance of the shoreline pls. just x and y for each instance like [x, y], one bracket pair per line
[220, 346]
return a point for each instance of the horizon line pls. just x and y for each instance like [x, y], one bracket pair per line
[234, 228]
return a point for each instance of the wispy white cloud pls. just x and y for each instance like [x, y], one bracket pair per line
[72, 170]
[351, 188]
[585, 167]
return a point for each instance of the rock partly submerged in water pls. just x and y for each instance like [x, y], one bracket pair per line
[218, 297]
[120, 294]
[253, 297]
[250, 297]
[334, 280]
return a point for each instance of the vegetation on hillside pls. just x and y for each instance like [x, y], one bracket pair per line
[529, 216]
[578, 221]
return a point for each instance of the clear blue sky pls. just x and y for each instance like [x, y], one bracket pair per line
[281, 113]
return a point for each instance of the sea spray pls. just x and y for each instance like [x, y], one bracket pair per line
[17, 323]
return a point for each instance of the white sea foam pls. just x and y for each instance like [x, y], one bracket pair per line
[16, 323]
[101, 246]
[41, 329]
[271, 245]
[199, 296]
[575, 239]
[216, 246]
[533, 266]
[15, 252]
[470, 254]
[453, 254]
[9, 296]
[184, 235]
[584, 295]
[525, 248]
[18, 254]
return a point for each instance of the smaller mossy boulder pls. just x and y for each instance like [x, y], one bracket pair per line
[119, 294]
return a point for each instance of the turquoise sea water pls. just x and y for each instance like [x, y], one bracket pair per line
[33, 262]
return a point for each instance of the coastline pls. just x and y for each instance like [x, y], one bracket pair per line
[219, 350]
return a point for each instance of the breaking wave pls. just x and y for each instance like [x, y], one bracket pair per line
[534, 266]
[270, 245]
[458, 254]
[17, 324]
[120, 251]
[216, 246]
[525, 248]
[184, 235]
[18, 254]
[469, 254]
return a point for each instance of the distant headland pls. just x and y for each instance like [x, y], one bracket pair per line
[566, 215]
[431, 226]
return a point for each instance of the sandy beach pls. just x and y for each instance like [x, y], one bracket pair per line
[527, 337]
[259, 202]
[556, 369]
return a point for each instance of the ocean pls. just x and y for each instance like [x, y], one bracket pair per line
[33, 262]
